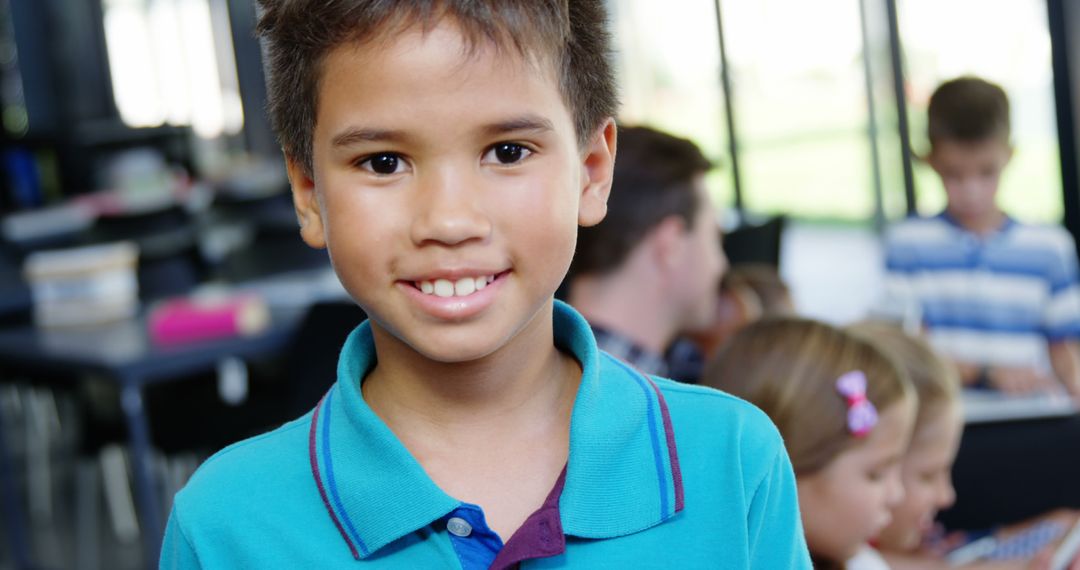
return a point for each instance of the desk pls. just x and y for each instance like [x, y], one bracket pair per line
[990, 406]
[1007, 471]
[124, 353]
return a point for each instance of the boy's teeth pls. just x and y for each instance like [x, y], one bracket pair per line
[444, 288]
[465, 286]
[461, 288]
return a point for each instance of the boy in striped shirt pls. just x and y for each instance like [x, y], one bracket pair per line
[998, 296]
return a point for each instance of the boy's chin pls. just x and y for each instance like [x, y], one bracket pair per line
[454, 354]
[972, 212]
[456, 348]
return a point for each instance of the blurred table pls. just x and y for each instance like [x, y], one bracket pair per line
[124, 353]
[1013, 466]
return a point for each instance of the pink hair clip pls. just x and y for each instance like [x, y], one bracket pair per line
[861, 414]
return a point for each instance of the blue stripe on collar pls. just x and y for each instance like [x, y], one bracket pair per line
[343, 515]
[313, 455]
[653, 436]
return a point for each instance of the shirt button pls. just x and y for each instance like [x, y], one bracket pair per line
[458, 527]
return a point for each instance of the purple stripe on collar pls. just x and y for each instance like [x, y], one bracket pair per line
[540, 536]
[669, 436]
[673, 454]
[318, 478]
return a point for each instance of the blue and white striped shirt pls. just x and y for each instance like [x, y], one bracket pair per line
[998, 299]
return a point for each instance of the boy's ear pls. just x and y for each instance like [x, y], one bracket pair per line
[598, 164]
[306, 202]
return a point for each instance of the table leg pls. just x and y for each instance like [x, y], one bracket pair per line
[146, 491]
[13, 514]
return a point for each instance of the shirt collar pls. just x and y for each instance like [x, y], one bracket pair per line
[620, 439]
[1006, 224]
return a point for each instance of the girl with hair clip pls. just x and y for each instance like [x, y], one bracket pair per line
[845, 411]
[926, 467]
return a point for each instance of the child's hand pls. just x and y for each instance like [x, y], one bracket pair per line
[938, 543]
[1074, 392]
[1042, 561]
[1020, 380]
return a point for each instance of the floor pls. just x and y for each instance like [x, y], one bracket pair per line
[74, 522]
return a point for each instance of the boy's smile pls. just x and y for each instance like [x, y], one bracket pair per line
[455, 295]
[448, 185]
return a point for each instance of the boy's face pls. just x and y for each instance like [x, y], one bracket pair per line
[970, 172]
[448, 188]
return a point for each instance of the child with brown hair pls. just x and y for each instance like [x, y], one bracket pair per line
[926, 469]
[845, 411]
[445, 152]
[999, 297]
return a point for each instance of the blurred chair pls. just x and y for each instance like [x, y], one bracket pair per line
[311, 363]
[16, 302]
[250, 236]
[170, 262]
[756, 242]
[231, 205]
[275, 247]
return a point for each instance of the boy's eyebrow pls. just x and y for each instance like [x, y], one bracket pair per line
[534, 123]
[353, 135]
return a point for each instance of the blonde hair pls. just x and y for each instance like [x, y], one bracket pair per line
[789, 366]
[763, 280]
[935, 380]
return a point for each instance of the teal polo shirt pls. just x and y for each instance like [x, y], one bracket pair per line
[659, 475]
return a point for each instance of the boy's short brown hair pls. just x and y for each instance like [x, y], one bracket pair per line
[966, 110]
[570, 35]
[654, 178]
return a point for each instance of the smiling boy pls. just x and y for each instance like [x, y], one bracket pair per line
[444, 153]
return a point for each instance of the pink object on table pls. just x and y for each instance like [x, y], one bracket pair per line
[188, 319]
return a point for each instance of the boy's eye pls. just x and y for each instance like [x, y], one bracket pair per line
[384, 163]
[507, 153]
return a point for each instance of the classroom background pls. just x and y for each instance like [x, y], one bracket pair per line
[140, 183]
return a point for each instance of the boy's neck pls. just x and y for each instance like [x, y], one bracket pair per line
[528, 379]
[981, 225]
[494, 432]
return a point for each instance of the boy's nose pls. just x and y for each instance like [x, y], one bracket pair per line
[448, 211]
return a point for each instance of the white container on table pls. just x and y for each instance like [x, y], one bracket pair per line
[84, 285]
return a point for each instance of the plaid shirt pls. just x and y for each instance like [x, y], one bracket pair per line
[629, 352]
[685, 362]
